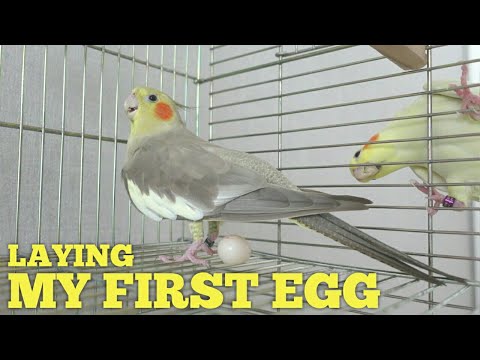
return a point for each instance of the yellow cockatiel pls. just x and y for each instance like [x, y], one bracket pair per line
[453, 138]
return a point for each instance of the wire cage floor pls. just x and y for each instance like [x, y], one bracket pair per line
[304, 108]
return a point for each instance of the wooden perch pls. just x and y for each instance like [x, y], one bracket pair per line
[408, 57]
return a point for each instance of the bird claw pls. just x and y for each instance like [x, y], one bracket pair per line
[185, 257]
[436, 196]
[192, 258]
[470, 102]
[419, 186]
[190, 254]
[165, 259]
[208, 249]
[424, 189]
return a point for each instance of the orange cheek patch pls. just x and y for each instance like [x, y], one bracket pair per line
[163, 111]
[372, 139]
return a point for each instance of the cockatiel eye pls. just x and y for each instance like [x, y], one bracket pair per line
[357, 154]
[152, 98]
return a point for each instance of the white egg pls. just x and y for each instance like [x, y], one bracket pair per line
[234, 250]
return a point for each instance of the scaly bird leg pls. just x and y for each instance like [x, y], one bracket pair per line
[439, 199]
[196, 228]
[469, 100]
[213, 230]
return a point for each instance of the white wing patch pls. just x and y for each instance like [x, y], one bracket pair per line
[157, 207]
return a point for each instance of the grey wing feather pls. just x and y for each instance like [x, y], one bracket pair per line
[275, 202]
[178, 165]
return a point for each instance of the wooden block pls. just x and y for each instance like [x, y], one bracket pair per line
[408, 57]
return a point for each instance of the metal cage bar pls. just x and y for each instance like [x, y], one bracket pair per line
[62, 146]
[42, 147]
[20, 147]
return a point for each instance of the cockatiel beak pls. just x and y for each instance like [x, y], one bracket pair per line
[365, 173]
[131, 106]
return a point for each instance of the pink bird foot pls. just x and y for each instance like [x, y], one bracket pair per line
[470, 101]
[439, 199]
[191, 253]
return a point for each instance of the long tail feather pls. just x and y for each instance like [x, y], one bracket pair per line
[350, 236]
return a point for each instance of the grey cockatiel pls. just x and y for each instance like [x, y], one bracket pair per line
[171, 173]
